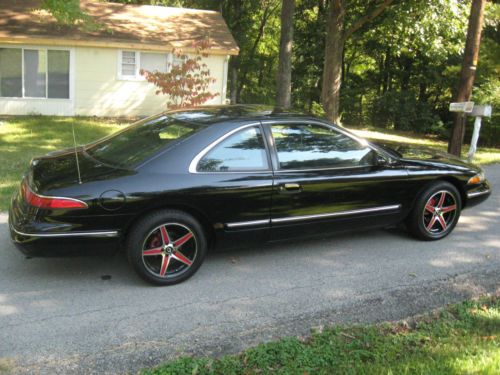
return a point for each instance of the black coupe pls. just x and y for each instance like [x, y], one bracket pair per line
[171, 186]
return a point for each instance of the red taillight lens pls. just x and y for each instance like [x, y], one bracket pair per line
[51, 203]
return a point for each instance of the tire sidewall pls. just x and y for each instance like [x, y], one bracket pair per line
[144, 226]
[417, 219]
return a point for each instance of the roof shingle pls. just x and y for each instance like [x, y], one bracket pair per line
[123, 26]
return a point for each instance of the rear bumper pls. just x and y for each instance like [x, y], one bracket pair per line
[35, 238]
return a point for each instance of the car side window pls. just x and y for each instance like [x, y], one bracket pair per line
[314, 146]
[242, 151]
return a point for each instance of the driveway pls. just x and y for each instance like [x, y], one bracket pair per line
[68, 316]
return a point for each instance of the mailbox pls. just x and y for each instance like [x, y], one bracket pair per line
[481, 111]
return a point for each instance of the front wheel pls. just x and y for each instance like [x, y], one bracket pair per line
[436, 212]
[166, 247]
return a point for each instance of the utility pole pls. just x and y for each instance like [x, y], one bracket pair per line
[467, 73]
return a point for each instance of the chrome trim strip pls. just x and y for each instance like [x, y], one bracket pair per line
[478, 193]
[97, 234]
[197, 158]
[334, 214]
[240, 224]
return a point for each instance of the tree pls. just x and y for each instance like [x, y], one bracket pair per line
[468, 72]
[187, 84]
[336, 37]
[284, 78]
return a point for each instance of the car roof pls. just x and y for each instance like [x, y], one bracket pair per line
[208, 115]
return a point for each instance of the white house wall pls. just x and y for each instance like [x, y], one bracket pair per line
[100, 92]
[96, 90]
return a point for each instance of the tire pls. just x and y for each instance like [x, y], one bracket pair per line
[436, 212]
[166, 247]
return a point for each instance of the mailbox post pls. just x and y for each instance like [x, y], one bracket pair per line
[478, 111]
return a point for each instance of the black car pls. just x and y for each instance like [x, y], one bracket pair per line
[171, 186]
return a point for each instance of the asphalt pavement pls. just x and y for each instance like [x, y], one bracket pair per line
[93, 315]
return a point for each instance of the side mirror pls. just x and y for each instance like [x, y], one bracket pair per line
[381, 160]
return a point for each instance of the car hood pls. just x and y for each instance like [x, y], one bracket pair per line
[424, 154]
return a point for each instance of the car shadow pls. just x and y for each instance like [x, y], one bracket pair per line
[112, 266]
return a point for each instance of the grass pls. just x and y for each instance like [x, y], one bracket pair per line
[22, 138]
[461, 339]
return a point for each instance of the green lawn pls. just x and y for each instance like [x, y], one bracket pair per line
[21, 138]
[462, 339]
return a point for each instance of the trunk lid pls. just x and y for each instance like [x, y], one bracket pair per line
[59, 170]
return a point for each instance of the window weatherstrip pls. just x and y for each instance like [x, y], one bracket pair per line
[194, 163]
[335, 214]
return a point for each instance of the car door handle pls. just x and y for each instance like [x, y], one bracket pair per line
[290, 188]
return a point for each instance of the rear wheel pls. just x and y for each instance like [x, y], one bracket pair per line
[436, 212]
[166, 247]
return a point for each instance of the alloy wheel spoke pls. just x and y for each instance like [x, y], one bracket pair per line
[181, 241]
[441, 199]
[154, 251]
[448, 208]
[429, 208]
[431, 222]
[181, 258]
[442, 221]
[164, 235]
[164, 265]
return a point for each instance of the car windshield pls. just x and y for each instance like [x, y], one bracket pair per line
[140, 141]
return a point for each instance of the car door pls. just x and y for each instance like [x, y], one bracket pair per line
[327, 180]
[235, 182]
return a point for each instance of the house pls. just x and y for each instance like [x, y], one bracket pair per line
[49, 69]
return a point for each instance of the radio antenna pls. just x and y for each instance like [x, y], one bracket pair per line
[76, 155]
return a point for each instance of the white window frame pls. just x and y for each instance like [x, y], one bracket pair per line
[137, 76]
[46, 49]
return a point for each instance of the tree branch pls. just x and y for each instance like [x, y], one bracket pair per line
[367, 18]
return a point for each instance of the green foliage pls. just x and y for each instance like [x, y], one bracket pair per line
[461, 339]
[68, 13]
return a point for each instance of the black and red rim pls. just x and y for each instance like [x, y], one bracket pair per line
[169, 250]
[439, 212]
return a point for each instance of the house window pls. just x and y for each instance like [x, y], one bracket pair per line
[34, 73]
[129, 64]
[154, 62]
[132, 62]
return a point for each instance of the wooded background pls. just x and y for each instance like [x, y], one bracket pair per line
[399, 60]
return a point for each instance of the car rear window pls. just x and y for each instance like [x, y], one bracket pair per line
[140, 141]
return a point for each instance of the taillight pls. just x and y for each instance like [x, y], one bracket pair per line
[51, 203]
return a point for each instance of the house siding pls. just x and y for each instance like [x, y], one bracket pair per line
[96, 89]
[99, 91]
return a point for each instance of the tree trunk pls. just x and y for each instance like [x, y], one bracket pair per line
[284, 78]
[336, 36]
[332, 70]
[467, 73]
